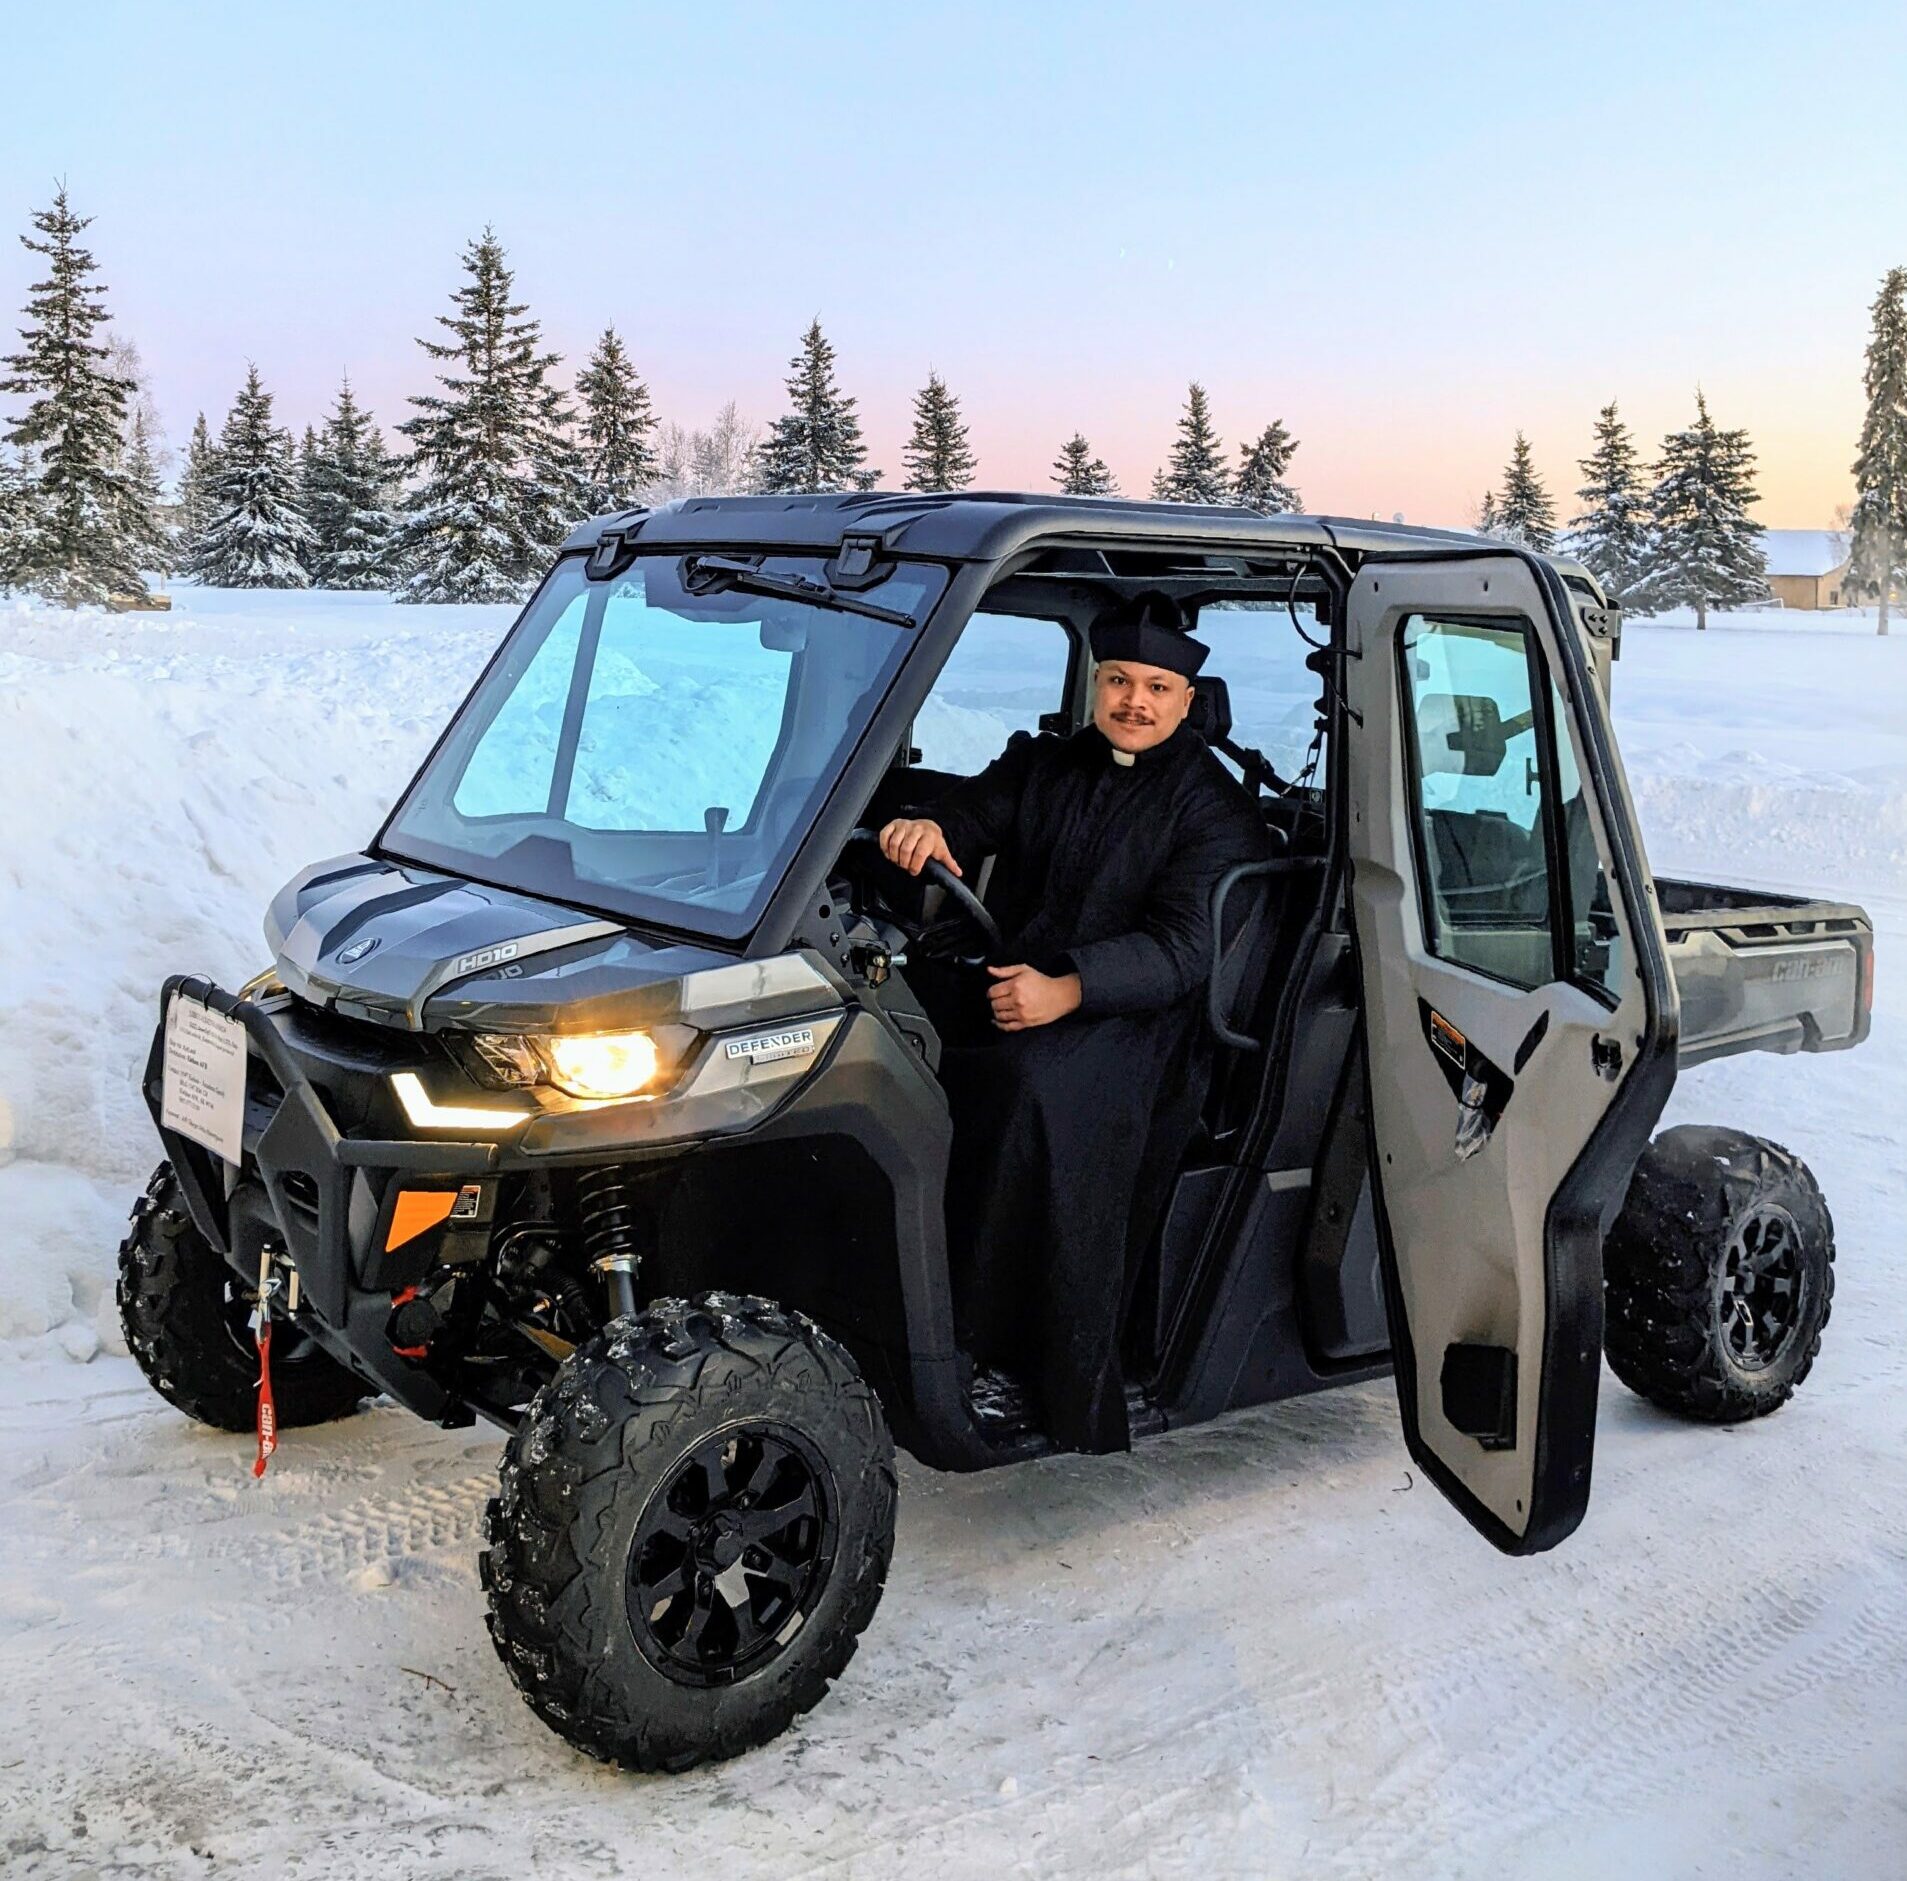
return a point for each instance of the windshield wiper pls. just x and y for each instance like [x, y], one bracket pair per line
[708, 574]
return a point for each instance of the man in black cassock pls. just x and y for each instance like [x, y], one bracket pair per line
[1068, 1127]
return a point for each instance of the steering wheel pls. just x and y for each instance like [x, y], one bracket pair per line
[969, 905]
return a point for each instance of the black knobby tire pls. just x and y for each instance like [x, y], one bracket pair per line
[604, 1445]
[1718, 1275]
[190, 1338]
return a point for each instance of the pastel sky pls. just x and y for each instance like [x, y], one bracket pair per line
[1406, 230]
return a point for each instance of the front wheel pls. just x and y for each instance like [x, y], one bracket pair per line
[188, 1323]
[1718, 1275]
[695, 1525]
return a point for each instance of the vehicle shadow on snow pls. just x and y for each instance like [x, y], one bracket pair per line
[1187, 1476]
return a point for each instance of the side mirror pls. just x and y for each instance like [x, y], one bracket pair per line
[1462, 734]
[784, 636]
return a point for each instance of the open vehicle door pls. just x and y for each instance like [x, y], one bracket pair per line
[1520, 1018]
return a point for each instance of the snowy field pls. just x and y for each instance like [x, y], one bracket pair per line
[1259, 1648]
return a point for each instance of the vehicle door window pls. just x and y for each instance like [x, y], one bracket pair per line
[1478, 779]
[1005, 672]
[1595, 939]
[1260, 656]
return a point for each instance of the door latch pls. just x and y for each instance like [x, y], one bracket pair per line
[1606, 1055]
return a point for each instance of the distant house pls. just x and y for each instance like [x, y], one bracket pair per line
[1807, 568]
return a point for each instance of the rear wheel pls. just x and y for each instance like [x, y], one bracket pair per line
[695, 1525]
[187, 1322]
[1718, 1275]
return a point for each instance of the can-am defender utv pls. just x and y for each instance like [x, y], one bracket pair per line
[598, 1095]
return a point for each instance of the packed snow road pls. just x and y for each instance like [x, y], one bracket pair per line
[1257, 1648]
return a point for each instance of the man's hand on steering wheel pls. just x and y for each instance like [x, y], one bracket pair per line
[911, 842]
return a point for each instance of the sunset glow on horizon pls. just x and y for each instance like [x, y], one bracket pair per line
[1407, 233]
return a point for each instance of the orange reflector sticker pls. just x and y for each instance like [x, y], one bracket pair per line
[417, 1212]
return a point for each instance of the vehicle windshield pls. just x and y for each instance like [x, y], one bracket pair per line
[652, 752]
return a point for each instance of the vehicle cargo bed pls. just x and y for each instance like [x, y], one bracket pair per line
[1765, 972]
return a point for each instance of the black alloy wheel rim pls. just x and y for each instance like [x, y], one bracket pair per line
[730, 1555]
[1759, 1297]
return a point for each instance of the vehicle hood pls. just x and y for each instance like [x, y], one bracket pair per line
[405, 946]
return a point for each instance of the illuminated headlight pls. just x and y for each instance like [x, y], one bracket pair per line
[595, 1066]
[601, 1064]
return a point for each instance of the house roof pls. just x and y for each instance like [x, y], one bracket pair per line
[1804, 551]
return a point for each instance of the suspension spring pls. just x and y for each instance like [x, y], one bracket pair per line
[611, 1227]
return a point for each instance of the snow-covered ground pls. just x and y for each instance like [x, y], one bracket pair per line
[1258, 1648]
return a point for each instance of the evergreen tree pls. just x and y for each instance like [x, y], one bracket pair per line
[1195, 472]
[151, 541]
[1489, 520]
[1708, 552]
[75, 421]
[499, 482]
[1878, 546]
[619, 456]
[1261, 472]
[305, 465]
[1524, 511]
[936, 455]
[196, 484]
[19, 520]
[350, 500]
[817, 446]
[257, 536]
[1079, 473]
[1611, 538]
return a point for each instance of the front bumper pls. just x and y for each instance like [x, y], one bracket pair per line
[328, 1194]
[325, 1164]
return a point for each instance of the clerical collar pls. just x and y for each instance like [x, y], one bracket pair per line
[1154, 754]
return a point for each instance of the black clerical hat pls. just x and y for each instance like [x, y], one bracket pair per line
[1149, 630]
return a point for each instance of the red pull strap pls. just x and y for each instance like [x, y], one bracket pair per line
[267, 1411]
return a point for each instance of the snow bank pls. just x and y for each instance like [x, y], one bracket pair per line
[167, 773]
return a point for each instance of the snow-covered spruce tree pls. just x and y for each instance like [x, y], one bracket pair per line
[350, 500]
[937, 455]
[305, 462]
[1079, 473]
[196, 484]
[1708, 552]
[151, 540]
[618, 426]
[74, 423]
[1195, 472]
[19, 519]
[257, 536]
[498, 482]
[1612, 537]
[143, 457]
[1524, 511]
[1261, 472]
[1878, 537]
[1489, 521]
[816, 446]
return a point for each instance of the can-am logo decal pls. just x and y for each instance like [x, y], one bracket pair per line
[765, 1047]
[359, 950]
[483, 957]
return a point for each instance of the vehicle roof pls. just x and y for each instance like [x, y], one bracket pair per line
[985, 525]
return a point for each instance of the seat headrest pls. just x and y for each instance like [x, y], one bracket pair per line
[1211, 713]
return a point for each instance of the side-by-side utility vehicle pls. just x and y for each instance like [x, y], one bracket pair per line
[600, 1096]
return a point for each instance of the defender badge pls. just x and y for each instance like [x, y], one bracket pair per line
[358, 950]
[766, 1047]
